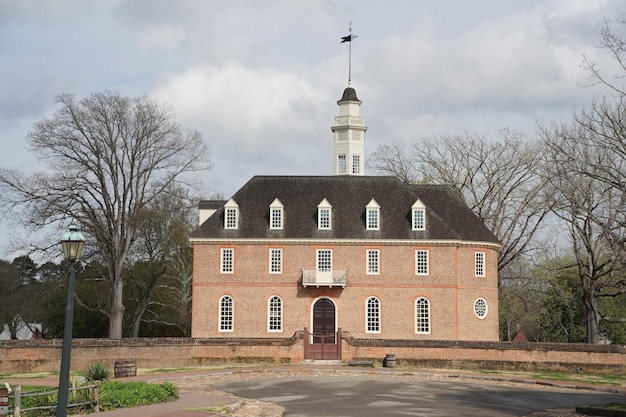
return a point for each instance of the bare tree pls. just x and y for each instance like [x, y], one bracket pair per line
[108, 155]
[612, 42]
[592, 209]
[395, 160]
[498, 179]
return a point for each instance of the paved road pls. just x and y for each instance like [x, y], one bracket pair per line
[343, 396]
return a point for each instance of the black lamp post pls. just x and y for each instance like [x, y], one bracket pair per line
[72, 242]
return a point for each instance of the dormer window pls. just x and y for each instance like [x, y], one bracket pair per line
[231, 215]
[277, 211]
[372, 219]
[418, 216]
[324, 215]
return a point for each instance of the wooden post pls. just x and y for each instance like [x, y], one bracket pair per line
[96, 396]
[17, 401]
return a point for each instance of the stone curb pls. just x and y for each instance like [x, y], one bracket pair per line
[387, 372]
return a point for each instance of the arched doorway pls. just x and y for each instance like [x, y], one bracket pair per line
[323, 318]
[324, 341]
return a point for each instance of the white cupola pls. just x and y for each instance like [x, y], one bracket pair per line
[349, 135]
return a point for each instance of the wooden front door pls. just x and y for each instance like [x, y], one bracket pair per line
[324, 342]
[323, 320]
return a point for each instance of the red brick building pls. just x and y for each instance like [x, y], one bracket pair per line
[373, 256]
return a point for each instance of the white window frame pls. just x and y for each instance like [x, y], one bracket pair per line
[372, 261]
[479, 264]
[342, 166]
[356, 164]
[227, 263]
[422, 316]
[372, 216]
[277, 215]
[276, 261]
[323, 222]
[325, 257]
[275, 314]
[231, 215]
[481, 308]
[226, 313]
[418, 216]
[422, 261]
[372, 315]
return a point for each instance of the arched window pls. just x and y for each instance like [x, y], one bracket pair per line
[422, 316]
[372, 315]
[227, 310]
[275, 314]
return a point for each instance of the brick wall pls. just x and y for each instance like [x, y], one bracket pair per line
[45, 355]
[450, 287]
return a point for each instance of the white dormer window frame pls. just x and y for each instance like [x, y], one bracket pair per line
[418, 216]
[231, 215]
[277, 215]
[324, 215]
[372, 216]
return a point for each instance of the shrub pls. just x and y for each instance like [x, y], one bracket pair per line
[129, 394]
[98, 372]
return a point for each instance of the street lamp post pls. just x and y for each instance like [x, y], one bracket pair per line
[72, 242]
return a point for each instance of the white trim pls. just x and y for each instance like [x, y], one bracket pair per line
[232, 261]
[418, 206]
[367, 261]
[231, 205]
[427, 262]
[317, 259]
[372, 207]
[282, 313]
[219, 314]
[390, 242]
[484, 316]
[324, 205]
[269, 252]
[482, 263]
[279, 208]
[430, 316]
[380, 313]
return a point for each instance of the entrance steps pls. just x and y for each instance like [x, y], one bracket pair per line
[322, 362]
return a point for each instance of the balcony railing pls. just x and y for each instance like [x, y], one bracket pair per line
[349, 120]
[332, 278]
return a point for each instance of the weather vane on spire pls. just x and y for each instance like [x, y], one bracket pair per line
[349, 39]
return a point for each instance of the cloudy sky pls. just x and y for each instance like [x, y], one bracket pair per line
[260, 79]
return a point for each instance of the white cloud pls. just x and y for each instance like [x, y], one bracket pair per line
[240, 101]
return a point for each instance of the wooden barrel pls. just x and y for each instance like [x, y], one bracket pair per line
[390, 361]
[4, 402]
[125, 368]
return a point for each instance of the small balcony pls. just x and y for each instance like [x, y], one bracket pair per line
[332, 278]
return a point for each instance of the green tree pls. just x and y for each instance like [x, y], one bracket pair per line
[160, 276]
[563, 315]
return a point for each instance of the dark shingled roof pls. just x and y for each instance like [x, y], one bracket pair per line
[349, 94]
[211, 204]
[447, 216]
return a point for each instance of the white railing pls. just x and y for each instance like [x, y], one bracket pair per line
[349, 120]
[332, 278]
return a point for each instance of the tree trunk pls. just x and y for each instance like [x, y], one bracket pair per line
[116, 319]
[139, 311]
[590, 300]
